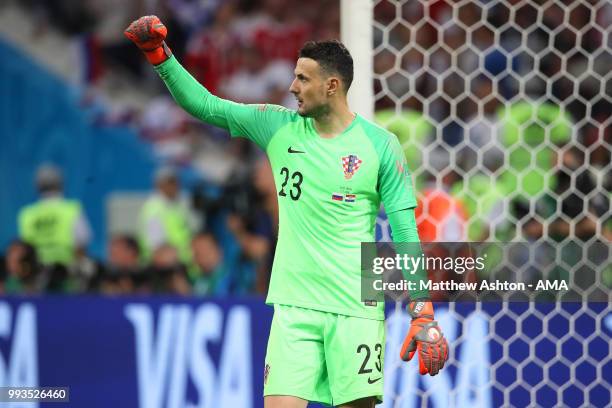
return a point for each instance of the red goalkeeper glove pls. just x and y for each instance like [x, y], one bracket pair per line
[426, 338]
[149, 33]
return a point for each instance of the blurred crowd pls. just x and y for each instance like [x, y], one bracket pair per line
[503, 109]
[168, 253]
[243, 50]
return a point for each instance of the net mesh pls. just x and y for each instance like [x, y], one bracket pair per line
[503, 110]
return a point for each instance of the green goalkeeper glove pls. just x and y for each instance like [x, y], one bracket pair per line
[426, 338]
[149, 33]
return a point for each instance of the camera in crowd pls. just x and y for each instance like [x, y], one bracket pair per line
[238, 196]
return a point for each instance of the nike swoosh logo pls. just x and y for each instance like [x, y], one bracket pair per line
[372, 381]
[290, 150]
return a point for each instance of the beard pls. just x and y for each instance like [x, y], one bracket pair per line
[316, 111]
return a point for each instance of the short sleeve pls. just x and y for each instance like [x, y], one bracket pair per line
[394, 179]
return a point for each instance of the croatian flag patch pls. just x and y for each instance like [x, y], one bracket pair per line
[349, 198]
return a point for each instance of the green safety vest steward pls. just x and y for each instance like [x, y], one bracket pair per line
[530, 130]
[48, 225]
[175, 222]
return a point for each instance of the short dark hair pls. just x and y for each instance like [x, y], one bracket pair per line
[332, 56]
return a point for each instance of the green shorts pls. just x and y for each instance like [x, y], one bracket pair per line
[324, 357]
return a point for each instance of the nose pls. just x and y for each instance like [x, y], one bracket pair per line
[294, 87]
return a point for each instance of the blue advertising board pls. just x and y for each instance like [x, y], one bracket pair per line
[189, 352]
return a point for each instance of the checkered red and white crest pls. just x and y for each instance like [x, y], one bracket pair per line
[350, 165]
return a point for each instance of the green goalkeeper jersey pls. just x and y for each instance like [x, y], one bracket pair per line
[329, 193]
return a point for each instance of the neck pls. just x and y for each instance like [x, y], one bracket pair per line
[333, 122]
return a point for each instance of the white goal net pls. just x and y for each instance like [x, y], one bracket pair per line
[503, 109]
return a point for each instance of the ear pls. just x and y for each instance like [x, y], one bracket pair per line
[333, 86]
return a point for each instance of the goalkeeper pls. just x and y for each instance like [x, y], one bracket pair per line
[332, 169]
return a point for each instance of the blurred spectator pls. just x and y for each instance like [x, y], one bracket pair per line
[325, 26]
[69, 16]
[530, 130]
[213, 52]
[193, 14]
[209, 273]
[256, 82]
[164, 220]
[21, 269]
[55, 226]
[123, 268]
[279, 32]
[256, 231]
[165, 125]
[124, 253]
[166, 273]
[440, 216]
[58, 279]
[583, 204]
[165, 256]
[483, 149]
[105, 41]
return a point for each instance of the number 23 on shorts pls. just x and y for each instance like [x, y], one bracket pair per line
[371, 362]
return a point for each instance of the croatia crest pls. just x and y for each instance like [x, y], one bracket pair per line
[350, 164]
